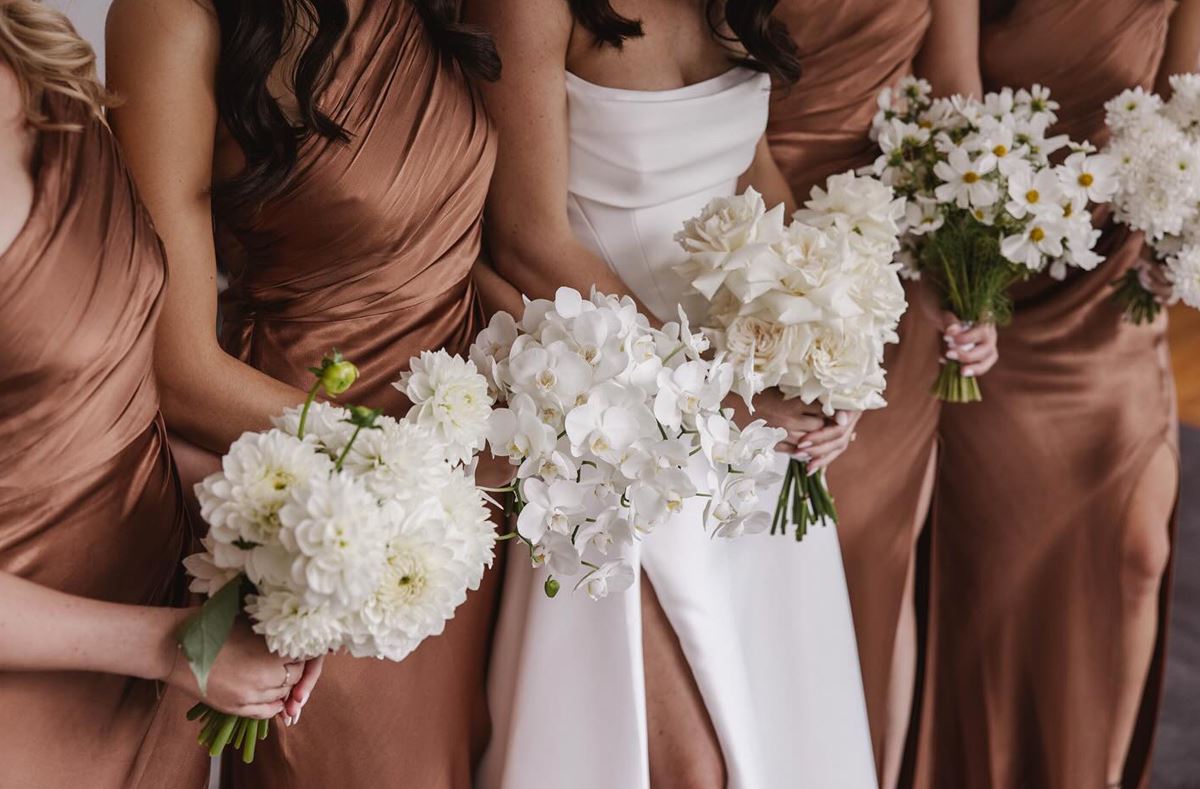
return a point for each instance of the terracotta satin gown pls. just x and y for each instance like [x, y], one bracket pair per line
[369, 250]
[1034, 487]
[849, 52]
[89, 501]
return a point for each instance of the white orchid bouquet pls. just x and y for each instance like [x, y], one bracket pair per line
[807, 307]
[986, 207]
[1156, 144]
[343, 529]
[614, 426]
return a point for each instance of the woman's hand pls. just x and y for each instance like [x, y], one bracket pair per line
[795, 417]
[246, 679]
[302, 690]
[973, 347]
[1153, 277]
[494, 472]
[822, 447]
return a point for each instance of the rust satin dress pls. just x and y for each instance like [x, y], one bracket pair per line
[849, 52]
[89, 501]
[369, 250]
[1033, 490]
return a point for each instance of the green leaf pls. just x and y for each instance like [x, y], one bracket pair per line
[203, 635]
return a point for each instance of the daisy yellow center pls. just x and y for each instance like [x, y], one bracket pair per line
[1086, 179]
[925, 124]
[1068, 210]
[1032, 196]
[1000, 150]
[1037, 234]
[970, 177]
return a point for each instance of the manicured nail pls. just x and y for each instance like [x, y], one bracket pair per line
[968, 347]
[954, 328]
[297, 718]
[953, 355]
[803, 457]
[946, 338]
[968, 373]
[842, 419]
[287, 721]
[303, 699]
[805, 445]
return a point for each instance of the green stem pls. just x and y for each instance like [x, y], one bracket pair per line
[345, 452]
[312, 395]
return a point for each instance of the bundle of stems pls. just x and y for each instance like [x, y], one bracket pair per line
[804, 501]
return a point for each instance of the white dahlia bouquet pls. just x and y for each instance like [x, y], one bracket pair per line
[806, 307]
[985, 205]
[614, 426]
[343, 528]
[1156, 145]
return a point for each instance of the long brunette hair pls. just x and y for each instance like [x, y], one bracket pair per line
[254, 37]
[768, 44]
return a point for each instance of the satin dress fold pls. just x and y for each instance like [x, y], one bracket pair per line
[89, 501]
[369, 250]
[764, 622]
[1034, 490]
[849, 52]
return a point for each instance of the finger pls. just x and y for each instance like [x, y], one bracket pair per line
[262, 712]
[951, 323]
[823, 436]
[824, 462]
[979, 368]
[973, 355]
[978, 335]
[803, 425]
[308, 681]
[787, 448]
[834, 448]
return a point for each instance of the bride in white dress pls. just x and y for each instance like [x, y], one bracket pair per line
[751, 679]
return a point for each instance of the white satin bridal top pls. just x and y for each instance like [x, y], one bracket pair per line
[642, 162]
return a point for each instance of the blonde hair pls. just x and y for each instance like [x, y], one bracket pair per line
[48, 56]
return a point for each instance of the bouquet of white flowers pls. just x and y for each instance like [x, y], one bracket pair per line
[807, 307]
[1157, 147]
[613, 426]
[985, 206]
[342, 528]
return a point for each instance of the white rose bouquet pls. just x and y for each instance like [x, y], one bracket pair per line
[613, 426]
[1157, 147]
[343, 529]
[807, 307]
[985, 205]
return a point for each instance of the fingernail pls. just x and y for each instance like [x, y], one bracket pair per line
[803, 457]
[968, 347]
[303, 699]
[287, 721]
[297, 718]
[842, 419]
[953, 355]
[968, 373]
[946, 338]
[805, 445]
[954, 328]
[854, 436]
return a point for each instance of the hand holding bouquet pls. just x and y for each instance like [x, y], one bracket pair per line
[341, 528]
[806, 307]
[985, 205]
[613, 427]
[1156, 145]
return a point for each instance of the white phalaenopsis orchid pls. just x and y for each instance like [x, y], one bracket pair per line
[1156, 147]
[807, 307]
[601, 416]
[344, 529]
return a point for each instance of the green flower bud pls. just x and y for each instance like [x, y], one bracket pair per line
[552, 586]
[337, 377]
[363, 417]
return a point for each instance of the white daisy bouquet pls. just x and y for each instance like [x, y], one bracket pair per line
[614, 426]
[1157, 146]
[986, 207]
[806, 307]
[343, 529]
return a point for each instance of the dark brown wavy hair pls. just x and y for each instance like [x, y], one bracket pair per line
[769, 46]
[254, 37]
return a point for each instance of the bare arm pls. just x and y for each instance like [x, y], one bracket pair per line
[529, 235]
[764, 175]
[162, 62]
[495, 292]
[949, 58]
[1182, 55]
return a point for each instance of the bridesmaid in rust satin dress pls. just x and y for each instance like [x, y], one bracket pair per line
[367, 246]
[1055, 495]
[849, 52]
[92, 525]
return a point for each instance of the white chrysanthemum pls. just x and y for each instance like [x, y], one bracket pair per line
[451, 399]
[1131, 108]
[326, 424]
[398, 459]
[208, 577]
[295, 628]
[1183, 270]
[421, 585]
[333, 527]
[470, 532]
[242, 502]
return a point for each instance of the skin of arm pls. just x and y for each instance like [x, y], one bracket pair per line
[1182, 54]
[949, 58]
[162, 63]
